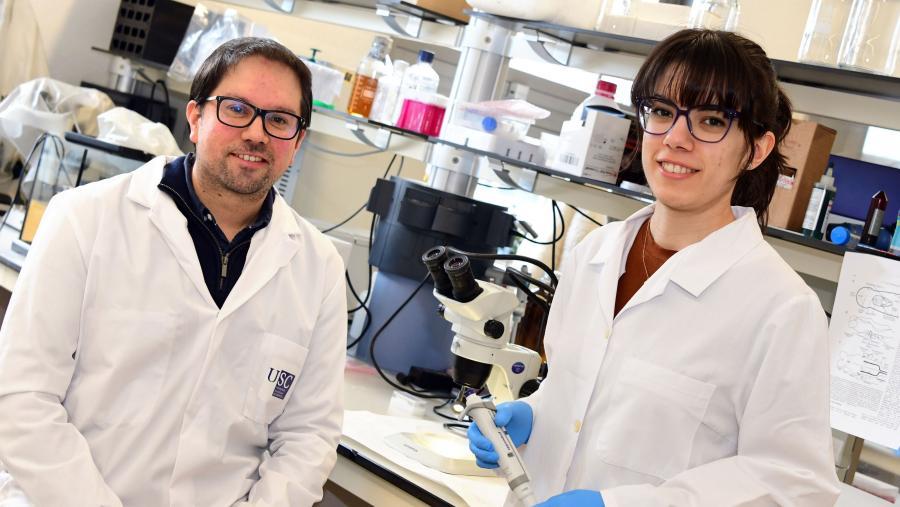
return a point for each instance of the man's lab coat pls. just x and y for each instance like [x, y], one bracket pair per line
[709, 388]
[122, 382]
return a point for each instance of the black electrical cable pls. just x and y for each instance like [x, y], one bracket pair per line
[361, 305]
[165, 90]
[585, 215]
[361, 208]
[365, 300]
[378, 333]
[521, 284]
[530, 279]
[369, 279]
[438, 413]
[555, 209]
[344, 221]
[554, 281]
[536, 242]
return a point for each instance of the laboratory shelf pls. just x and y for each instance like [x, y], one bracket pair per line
[812, 257]
[396, 18]
[400, 7]
[831, 78]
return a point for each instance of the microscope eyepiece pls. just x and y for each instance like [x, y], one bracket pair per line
[465, 288]
[434, 260]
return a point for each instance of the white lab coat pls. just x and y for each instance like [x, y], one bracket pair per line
[169, 400]
[709, 388]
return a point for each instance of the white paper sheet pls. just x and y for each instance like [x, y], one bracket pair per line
[865, 349]
[370, 430]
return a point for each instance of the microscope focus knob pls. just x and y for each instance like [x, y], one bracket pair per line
[493, 328]
[529, 387]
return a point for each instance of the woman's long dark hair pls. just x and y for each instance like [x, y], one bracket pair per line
[717, 67]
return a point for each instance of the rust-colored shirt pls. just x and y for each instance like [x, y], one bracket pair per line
[644, 258]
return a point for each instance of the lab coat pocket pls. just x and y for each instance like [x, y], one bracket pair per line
[652, 419]
[276, 368]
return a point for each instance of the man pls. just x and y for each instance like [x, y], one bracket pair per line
[177, 334]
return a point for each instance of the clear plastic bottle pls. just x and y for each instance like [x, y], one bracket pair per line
[602, 99]
[820, 200]
[715, 14]
[387, 94]
[616, 17]
[365, 84]
[420, 82]
[824, 28]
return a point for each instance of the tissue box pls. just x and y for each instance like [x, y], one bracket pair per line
[806, 147]
[593, 148]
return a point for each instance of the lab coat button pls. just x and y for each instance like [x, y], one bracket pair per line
[577, 426]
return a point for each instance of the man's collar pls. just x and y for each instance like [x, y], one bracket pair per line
[186, 169]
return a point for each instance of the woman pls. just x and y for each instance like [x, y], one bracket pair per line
[688, 363]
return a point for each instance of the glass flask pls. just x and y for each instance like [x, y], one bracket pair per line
[824, 29]
[715, 14]
[872, 39]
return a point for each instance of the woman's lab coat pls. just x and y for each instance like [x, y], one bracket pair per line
[168, 399]
[709, 388]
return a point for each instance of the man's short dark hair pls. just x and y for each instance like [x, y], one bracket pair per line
[231, 53]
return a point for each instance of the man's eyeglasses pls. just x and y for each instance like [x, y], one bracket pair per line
[239, 114]
[708, 123]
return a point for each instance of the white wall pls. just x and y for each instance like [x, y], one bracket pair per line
[68, 30]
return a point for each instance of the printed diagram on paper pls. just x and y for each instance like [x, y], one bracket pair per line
[865, 341]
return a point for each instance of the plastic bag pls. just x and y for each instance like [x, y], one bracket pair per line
[326, 83]
[207, 30]
[513, 108]
[125, 127]
[47, 105]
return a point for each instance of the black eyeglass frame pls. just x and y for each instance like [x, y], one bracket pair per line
[731, 114]
[257, 112]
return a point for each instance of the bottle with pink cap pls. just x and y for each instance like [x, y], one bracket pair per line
[602, 100]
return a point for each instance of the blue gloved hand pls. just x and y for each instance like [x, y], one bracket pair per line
[516, 417]
[575, 498]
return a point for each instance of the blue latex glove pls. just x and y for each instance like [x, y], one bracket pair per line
[575, 498]
[516, 417]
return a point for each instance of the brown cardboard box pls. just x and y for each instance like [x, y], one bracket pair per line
[806, 148]
[450, 8]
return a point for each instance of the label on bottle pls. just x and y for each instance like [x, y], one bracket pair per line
[820, 233]
[362, 96]
[814, 208]
[875, 225]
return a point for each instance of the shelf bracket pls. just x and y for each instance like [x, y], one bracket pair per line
[550, 49]
[285, 6]
[413, 23]
[381, 141]
[521, 178]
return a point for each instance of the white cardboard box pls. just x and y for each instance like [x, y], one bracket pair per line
[593, 148]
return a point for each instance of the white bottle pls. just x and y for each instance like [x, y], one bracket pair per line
[420, 82]
[602, 99]
[387, 94]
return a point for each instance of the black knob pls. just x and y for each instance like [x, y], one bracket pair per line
[440, 310]
[493, 328]
[529, 387]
